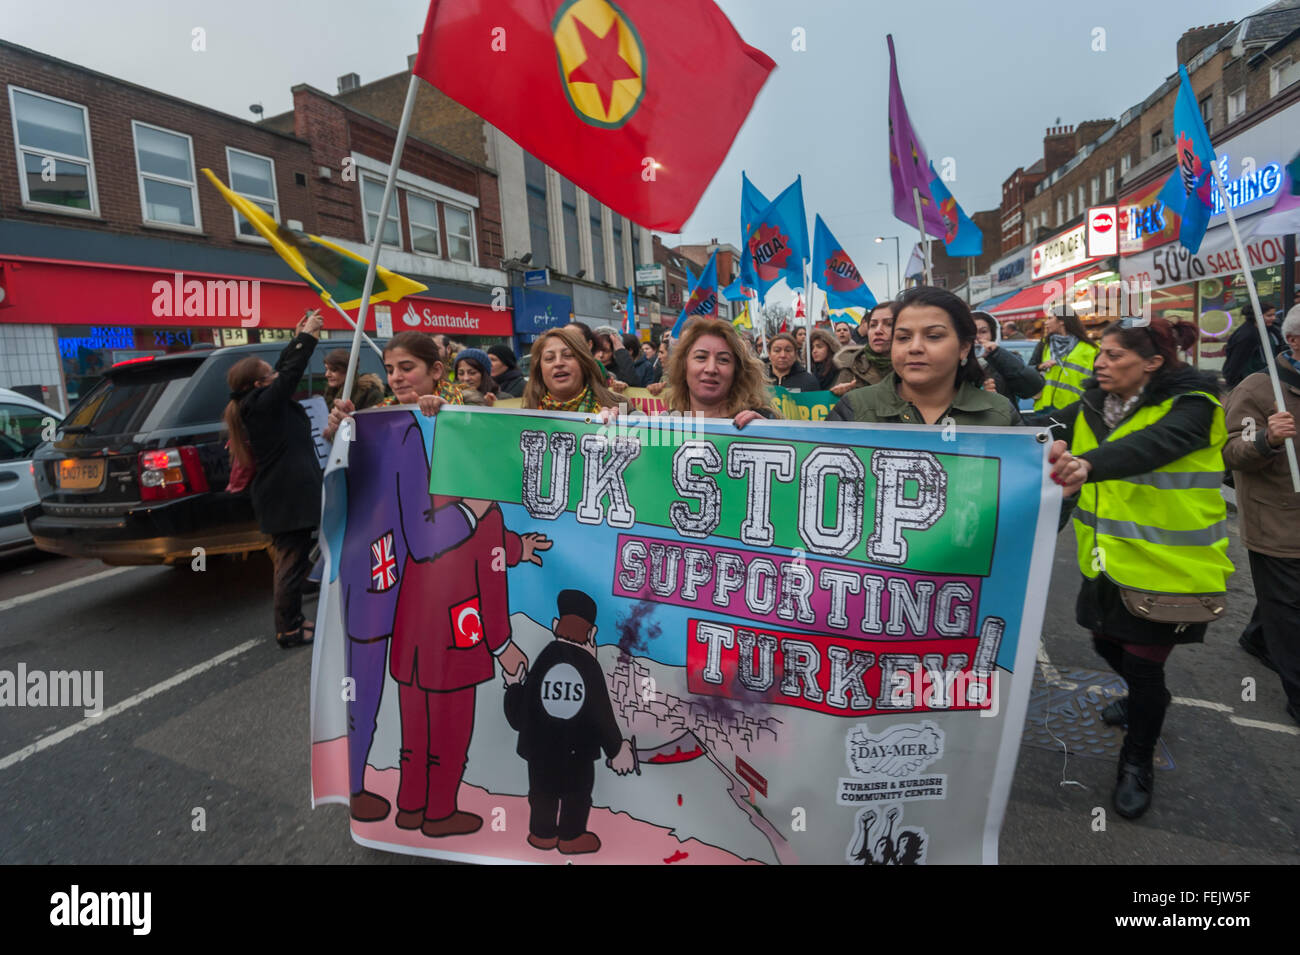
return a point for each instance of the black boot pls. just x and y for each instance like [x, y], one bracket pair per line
[1116, 714]
[1133, 786]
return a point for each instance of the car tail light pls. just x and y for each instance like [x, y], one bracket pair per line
[170, 473]
[132, 361]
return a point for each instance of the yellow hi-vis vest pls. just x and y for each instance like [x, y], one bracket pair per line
[1064, 380]
[1164, 531]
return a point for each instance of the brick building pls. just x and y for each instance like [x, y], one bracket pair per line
[105, 201]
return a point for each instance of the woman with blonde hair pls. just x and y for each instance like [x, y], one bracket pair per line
[710, 373]
[564, 376]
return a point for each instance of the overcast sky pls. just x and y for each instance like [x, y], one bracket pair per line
[982, 80]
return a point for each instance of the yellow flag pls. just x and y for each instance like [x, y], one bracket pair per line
[337, 274]
[742, 320]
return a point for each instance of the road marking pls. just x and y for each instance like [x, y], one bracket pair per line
[91, 722]
[59, 588]
[1262, 725]
[1052, 676]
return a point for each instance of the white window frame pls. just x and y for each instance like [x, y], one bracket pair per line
[1275, 76]
[141, 175]
[1069, 207]
[473, 233]
[1095, 186]
[1125, 164]
[1237, 95]
[88, 161]
[275, 198]
[1060, 212]
[410, 224]
[394, 212]
[1110, 183]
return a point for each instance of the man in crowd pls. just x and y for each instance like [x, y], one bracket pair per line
[1270, 510]
[1243, 354]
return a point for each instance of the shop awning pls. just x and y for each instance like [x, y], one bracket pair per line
[1029, 302]
[988, 303]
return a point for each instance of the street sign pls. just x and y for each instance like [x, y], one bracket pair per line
[535, 278]
[980, 286]
[649, 274]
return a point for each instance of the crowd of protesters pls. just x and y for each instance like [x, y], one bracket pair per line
[1141, 443]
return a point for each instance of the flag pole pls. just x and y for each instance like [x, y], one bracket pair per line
[807, 314]
[762, 322]
[353, 325]
[925, 243]
[1270, 361]
[398, 144]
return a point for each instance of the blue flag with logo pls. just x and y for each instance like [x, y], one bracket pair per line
[777, 243]
[835, 274]
[737, 291]
[629, 320]
[752, 204]
[1189, 190]
[961, 236]
[703, 297]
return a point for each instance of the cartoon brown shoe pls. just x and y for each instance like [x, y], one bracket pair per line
[587, 842]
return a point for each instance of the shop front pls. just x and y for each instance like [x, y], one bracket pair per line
[535, 312]
[1209, 288]
[1060, 270]
[103, 314]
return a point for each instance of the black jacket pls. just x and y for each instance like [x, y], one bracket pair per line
[797, 380]
[654, 371]
[555, 740]
[1242, 354]
[1014, 379]
[625, 368]
[1182, 430]
[511, 384]
[286, 490]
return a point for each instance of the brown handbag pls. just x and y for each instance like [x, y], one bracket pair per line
[1174, 608]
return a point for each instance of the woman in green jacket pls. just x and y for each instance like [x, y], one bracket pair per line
[936, 379]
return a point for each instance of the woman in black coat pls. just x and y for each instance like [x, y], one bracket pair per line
[271, 432]
[1011, 377]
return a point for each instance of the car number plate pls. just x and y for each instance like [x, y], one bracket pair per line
[79, 474]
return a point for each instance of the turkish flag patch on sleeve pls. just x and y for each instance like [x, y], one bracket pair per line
[466, 624]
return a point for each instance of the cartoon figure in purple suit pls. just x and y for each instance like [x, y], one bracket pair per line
[390, 510]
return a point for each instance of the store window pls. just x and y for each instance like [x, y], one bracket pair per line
[460, 233]
[1219, 310]
[252, 177]
[56, 169]
[372, 197]
[165, 171]
[422, 214]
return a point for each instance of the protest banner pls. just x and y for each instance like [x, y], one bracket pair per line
[802, 405]
[776, 645]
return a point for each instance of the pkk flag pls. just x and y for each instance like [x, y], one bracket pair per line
[835, 273]
[629, 321]
[778, 242]
[1284, 217]
[1188, 192]
[742, 319]
[337, 274]
[752, 204]
[703, 298]
[588, 79]
[909, 169]
[961, 236]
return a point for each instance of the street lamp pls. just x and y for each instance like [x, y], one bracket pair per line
[888, 293]
[898, 259]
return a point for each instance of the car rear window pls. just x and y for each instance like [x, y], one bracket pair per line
[132, 399]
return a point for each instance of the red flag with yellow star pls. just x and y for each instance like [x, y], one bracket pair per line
[637, 101]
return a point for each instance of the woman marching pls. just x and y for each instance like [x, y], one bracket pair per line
[824, 347]
[1064, 356]
[712, 374]
[936, 378]
[782, 354]
[1143, 448]
[270, 431]
[565, 376]
[1011, 377]
[415, 369]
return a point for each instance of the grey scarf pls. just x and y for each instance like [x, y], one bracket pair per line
[1061, 345]
[1115, 408]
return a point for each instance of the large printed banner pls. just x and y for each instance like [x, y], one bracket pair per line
[803, 405]
[669, 641]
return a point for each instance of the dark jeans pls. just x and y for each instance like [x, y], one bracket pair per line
[290, 553]
[564, 788]
[1275, 623]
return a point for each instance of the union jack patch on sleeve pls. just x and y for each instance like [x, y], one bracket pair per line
[383, 564]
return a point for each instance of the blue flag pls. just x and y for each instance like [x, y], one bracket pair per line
[835, 274]
[778, 240]
[752, 204]
[1189, 190]
[737, 291]
[961, 236]
[629, 321]
[703, 298]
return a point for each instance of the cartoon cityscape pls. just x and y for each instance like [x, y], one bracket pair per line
[720, 724]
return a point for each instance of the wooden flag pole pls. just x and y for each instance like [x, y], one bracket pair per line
[398, 145]
[925, 239]
[1270, 361]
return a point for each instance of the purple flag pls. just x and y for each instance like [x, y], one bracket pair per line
[908, 166]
